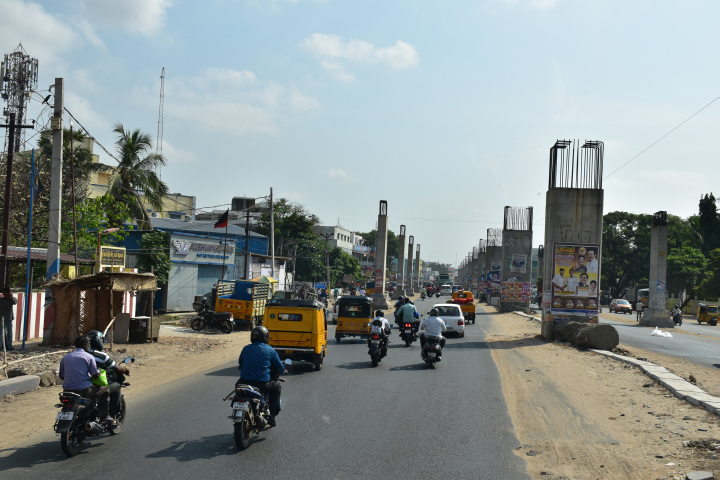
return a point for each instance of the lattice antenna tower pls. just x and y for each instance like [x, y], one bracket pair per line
[19, 73]
[159, 140]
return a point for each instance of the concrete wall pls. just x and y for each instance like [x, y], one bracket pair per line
[516, 242]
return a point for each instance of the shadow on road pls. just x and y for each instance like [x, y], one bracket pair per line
[225, 372]
[356, 365]
[40, 454]
[204, 448]
[465, 345]
[406, 368]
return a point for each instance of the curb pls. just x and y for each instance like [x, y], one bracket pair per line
[678, 386]
[22, 384]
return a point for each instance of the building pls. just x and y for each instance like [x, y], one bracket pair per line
[350, 242]
[198, 251]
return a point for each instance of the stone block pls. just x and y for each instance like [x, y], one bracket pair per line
[713, 407]
[699, 398]
[699, 475]
[47, 379]
[16, 372]
[22, 384]
[601, 337]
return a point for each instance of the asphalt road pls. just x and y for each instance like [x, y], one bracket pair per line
[689, 325]
[399, 420]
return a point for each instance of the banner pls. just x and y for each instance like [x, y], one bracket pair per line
[492, 279]
[575, 288]
[518, 263]
[515, 292]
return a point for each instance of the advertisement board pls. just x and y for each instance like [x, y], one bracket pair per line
[515, 292]
[518, 263]
[575, 283]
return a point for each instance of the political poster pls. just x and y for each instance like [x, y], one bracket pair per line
[515, 292]
[575, 283]
[518, 263]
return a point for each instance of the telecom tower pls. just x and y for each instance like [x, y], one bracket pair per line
[19, 79]
[159, 140]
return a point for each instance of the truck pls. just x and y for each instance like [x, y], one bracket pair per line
[244, 299]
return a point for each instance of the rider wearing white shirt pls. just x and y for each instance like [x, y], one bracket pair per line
[433, 326]
[382, 330]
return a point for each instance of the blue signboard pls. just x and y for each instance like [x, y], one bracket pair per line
[319, 285]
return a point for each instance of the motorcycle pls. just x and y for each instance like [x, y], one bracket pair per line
[78, 420]
[423, 296]
[438, 294]
[432, 351]
[677, 319]
[250, 412]
[208, 318]
[407, 333]
[377, 348]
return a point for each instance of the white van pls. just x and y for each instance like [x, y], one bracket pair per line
[446, 290]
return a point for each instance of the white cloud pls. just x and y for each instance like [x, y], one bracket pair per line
[177, 156]
[400, 55]
[137, 16]
[338, 71]
[229, 77]
[338, 174]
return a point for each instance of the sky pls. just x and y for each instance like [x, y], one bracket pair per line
[447, 110]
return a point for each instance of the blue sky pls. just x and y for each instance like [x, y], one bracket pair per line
[447, 110]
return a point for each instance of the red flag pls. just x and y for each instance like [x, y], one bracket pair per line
[222, 221]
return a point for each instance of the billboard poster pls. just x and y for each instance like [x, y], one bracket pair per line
[495, 266]
[518, 263]
[575, 283]
[515, 292]
[661, 286]
[492, 279]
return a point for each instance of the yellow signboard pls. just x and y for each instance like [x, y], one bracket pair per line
[112, 256]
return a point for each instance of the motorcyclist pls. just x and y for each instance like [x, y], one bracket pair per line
[433, 326]
[76, 370]
[257, 362]
[408, 314]
[115, 373]
[379, 325]
[400, 302]
[675, 312]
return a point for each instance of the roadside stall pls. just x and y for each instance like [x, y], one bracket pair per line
[94, 302]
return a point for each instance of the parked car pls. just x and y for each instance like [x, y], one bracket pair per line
[453, 318]
[620, 306]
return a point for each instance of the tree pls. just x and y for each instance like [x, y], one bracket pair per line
[342, 263]
[93, 216]
[625, 251]
[393, 243]
[439, 267]
[685, 269]
[154, 255]
[135, 174]
[710, 285]
[709, 223]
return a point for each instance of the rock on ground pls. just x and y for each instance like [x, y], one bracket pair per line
[598, 337]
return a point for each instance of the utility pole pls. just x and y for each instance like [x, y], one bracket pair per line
[247, 240]
[327, 236]
[8, 195]
[72, 183]
[56, 123]
[272, 236]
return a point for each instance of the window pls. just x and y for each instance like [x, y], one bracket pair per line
[448, 311]
[354, 310]
[290, 317]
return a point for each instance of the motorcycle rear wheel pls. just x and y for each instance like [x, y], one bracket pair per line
[226, 327]
[120, 418]
[408, 341]
[71, 441]
[243, 433]
[197, 324]
[374, 360]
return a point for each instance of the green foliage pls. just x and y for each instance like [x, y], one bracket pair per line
[625, 251]
[154, 255]
[94, 215]
[709, 223]
[393, 243]
[685, 268]
[709, 287]
[342, 263]
[442, 268]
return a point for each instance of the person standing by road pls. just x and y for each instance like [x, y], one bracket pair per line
[7, 302]
[639, 309]
[301, 293]
[336, 293]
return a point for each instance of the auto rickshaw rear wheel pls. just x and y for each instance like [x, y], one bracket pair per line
[338, 337]
[317, 361]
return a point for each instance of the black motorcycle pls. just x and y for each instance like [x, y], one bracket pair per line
[432, 351]
[250, 412]
[223, 321]
[377, 346]
[407, 333]
[423, 296]
[438, 294]
[78, 420]
[677, 318]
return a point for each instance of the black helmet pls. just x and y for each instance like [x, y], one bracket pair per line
[260, 334]
[96, 340]
[434, 312]
[379, 313]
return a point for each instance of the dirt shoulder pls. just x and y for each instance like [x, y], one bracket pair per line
[171, 358]
[579, 415]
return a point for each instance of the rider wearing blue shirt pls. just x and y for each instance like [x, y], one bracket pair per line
[255, 362]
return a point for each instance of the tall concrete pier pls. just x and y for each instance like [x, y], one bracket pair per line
[573, 231]
[656, 315]
[480, 265]
[417, 268]
[409, 284]
[379, 298]
[400, 288]
[493, 266]
[516, 257]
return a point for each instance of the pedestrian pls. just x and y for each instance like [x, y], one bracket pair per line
[301, 293]
[639, 309]
[7, 302]
[336, 293]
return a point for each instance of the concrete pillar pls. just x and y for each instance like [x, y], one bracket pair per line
[493, 261]
[409, 287]
[516, 253]
[417, 268]
[573, 217]
[400, 288]
[481, 268]
[656, 315]
[379, 298]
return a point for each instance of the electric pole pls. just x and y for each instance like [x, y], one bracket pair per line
[56, 123]
[327, 236]
[272, 236]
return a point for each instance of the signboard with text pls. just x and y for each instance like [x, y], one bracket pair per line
[575, 283]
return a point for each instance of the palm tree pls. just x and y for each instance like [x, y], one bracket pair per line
[135, 174]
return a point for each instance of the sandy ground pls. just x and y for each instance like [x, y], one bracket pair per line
[579, 415]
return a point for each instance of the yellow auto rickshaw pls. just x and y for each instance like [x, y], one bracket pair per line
[707, 313]
[467, 304]
[298, 329]
[354, 316]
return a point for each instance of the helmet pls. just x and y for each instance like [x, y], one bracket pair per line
[401, 299]
[96, 340]
[260, 334]
[379, 313]
[434, 312]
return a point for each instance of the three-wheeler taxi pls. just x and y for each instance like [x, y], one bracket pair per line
[354, 316]
[298, 329]
[467, 304]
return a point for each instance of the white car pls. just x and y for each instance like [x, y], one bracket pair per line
[453, 318]
[446, 290]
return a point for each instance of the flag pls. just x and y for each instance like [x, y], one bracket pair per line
[39, 187]
[222, 221]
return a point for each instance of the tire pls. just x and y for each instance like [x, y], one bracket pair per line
[375, 360]
[408, 341]
[462, 335]
[338, 337]
[197, 324]
[121, 415]
[317, 361]
[226, 327]
[71, 441]
[243, 433]
[711, 323]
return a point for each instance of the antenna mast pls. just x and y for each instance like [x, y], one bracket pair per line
[159, 140]
[18, 79]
